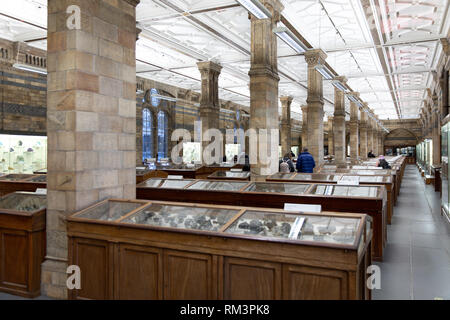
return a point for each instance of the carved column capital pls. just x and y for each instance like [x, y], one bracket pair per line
[314, 57]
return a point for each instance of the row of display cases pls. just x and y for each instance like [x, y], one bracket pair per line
[340, 178]
[367, 199]
[166, 250]
[131, 249]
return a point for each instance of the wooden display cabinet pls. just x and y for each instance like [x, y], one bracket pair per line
[144, 174]
[382, 180]
[272, 195]
[22, 243]
[165, 250]
[187, 171]
[230, 175]
[22, 182]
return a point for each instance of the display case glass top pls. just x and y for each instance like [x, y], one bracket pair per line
[151, 183]
[14, 177]
[41, 178]
[230, 175]
[181, 167]
[323, 229]
[345, 191]
[373, 179]
[182, 217]
[268, 187]
[175, 183]
[217, 185]
[281, 176]
[110, 210]
[304, 227]
[316, 177]
[23, 201]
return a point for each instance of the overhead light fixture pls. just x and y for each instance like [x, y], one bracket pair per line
[164, 97]
[338, 85]
[256, 8]
[291, 39]
[352, 98]
[29, 68]
[323, 70]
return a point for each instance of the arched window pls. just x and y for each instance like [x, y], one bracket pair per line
[147, 136]
[163, 142]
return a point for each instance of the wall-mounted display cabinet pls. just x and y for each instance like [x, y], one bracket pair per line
[22, 182]
[370, 200]
[166, 250]
[425, 155]
[22, 154]
[445, 178]
[22, 243]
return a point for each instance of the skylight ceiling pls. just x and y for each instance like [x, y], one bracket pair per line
[386, 48]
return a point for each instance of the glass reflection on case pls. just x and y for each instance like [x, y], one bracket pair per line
[26, 202]
[110, 210]
[330, 229]
[291, 188]
[175, 184]
[217, 185]
[182, 217]
[282, 176]
[151, 183]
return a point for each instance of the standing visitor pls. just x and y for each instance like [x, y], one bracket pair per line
[305, 162]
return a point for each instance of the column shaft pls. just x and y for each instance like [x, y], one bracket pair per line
[286, 127]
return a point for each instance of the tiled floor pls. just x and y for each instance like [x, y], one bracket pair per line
[416, 264]
[417, 257]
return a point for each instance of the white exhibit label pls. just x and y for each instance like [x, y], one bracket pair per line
[298, 207]
[41, 191]
[170, 177]
[236, 170]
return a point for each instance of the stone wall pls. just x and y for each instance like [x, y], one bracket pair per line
[23, 94]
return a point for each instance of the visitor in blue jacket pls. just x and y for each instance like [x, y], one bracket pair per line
[305, 162]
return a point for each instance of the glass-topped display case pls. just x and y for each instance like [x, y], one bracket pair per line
[230, 175]
[22, 234]
[21, 182]
[347, 191]
[22, 202]
[272, 187]
[22, 154]
[189, 238]
[210, 185]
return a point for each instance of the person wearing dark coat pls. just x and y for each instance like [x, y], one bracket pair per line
[305, 162]
[288, 160]
[371, 155]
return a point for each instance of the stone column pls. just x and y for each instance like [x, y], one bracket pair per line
[436, 132]
[330, 135]
[286, 124]
[339, 132]
[304, 127]
[209, 102]
[354, 131]
[363, 136]
[264, 89]
[369, 134]
[375, 137]
[91, 119]
[381, 142]
[315, 104]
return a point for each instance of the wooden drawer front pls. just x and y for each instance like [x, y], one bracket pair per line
[251, 280]
[93, 258]
[14, 259]
[139, 273]
[189, 276]
[306, 283]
